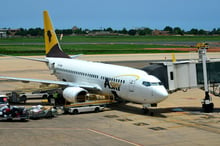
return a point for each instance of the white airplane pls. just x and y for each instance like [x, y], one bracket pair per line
[81, 77]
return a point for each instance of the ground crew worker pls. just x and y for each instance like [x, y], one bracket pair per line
[55, 96]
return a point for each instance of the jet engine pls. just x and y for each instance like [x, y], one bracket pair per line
[74, 94]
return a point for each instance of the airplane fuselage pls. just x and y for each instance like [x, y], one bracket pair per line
[127, 83]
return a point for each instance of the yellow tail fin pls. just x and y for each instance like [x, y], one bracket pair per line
[52, 46]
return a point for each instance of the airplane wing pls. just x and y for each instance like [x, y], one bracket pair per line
[38, 59]
[27, 58]
[62, 83]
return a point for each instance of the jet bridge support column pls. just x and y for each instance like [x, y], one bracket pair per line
[207, 103]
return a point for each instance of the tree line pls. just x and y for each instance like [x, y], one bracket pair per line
[168, 30]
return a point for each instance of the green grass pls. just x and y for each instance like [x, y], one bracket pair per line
[82, 49]
[22, 40]
[94, 39]
[35, 45]
[112, 49]
[140, 38]
[21, 50]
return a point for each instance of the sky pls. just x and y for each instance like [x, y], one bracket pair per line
[117, 14]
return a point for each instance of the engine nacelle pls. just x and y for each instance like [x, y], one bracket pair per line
[74, 94]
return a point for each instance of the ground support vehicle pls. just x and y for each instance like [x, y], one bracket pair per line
[8, 112]
[3, 100]
[91, 108]
[37, 95]
[33, 95]
[87, 106]
[39, 111]
[15, 97]
[20, 97]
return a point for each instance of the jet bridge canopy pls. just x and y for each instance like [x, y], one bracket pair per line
[160, 71]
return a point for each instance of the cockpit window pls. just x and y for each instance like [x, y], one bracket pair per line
[156, 84]
[147, 84]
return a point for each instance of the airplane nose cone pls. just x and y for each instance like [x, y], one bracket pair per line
[161, 94]
[164, 93]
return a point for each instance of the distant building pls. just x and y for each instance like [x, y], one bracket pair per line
[75, 28]
[8, 32]
[160, 32]
[3, 33]
[102, 33]
[12, 32]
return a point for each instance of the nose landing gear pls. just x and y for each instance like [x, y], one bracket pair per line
[146, 109]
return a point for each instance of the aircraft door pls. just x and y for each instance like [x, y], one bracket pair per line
[131, 85]
[52, 68]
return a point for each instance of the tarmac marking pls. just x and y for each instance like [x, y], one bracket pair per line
[91, 130]
[114, 137]
[194, 124]
[177, 126]
[27, 128]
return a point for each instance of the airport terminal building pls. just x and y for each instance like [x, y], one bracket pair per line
[3, 33]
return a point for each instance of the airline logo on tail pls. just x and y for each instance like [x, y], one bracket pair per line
[52, 46]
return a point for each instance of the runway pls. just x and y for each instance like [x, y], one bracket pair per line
[176, 121]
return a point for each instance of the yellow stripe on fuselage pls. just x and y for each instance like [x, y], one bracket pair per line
[130, 75]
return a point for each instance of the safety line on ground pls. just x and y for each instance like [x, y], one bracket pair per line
[114, 137]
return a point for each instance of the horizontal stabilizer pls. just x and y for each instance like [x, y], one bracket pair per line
[27, 58]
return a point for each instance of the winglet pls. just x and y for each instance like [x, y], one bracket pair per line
[52, 45]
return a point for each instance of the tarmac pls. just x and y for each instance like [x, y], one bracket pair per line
[177, 121]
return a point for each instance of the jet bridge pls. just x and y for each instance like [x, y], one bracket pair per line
[182, 75]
